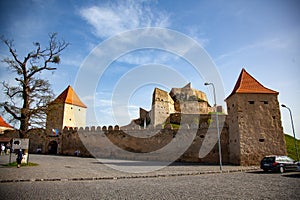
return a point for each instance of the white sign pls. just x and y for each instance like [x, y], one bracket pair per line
[20, 143]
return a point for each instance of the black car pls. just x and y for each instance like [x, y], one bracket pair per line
[278, 163]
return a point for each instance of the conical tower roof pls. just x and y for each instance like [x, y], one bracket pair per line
[4, 124]
[70, 97]
[247, 84]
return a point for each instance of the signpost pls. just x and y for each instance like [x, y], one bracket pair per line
[20, 143]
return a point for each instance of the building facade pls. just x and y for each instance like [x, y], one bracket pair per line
[251, 129]
[67, 110]
[254, 122]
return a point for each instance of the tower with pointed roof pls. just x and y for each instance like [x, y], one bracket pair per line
[4, 126]
[67, 110]
[255, 128]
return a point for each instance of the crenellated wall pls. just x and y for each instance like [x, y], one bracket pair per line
[166, 144]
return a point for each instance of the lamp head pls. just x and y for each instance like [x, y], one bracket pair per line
[206, 83]
[282, 105]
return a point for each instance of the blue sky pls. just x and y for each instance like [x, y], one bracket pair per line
[261, 36]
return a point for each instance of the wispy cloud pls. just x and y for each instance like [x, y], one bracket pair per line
[270, 44]
[195, 33]
[73, 60]
[120, 16]
[148, 56]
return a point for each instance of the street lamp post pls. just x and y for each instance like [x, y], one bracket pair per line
[217, 121]
[295, 142]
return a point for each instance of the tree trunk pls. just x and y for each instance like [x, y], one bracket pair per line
[24, 122]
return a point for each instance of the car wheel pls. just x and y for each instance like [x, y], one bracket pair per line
[265, 170]
[281, 169]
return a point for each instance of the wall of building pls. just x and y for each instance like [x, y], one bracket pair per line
[55, 117]
[194, 107]
[74, 116]
[251, 130]
[162, 107]
[255, 128]
[37, 138]
[233, 109]
[95, 141]
[190, 101]
[61, 115]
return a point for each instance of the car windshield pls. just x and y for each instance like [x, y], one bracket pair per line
[268, 159]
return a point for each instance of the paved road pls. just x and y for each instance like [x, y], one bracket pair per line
[238, 185]
[62, 177]
[74, 168]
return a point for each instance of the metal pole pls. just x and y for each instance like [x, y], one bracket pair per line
[295, 142]
[10, 151]
[218, 129]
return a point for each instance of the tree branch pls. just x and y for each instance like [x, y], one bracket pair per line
[9, 44]
[11, 112]
[50, 55]
[27, 101]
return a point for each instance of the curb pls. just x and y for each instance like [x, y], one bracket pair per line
[127, 177]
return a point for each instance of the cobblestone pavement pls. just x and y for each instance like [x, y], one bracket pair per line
[62, 177]
[63, 168]
[238, 185]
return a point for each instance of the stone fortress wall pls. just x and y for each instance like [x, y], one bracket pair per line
[180, 126]
[93, 141]
[251, 130]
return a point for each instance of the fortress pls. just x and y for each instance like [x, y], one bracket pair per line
[184, 100]
[251, 129]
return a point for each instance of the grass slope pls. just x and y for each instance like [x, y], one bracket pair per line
[290, 146]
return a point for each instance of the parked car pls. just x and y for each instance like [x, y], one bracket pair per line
[278, 163]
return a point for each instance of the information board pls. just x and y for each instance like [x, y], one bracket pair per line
[20, 143]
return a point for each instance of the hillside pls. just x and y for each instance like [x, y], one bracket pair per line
[290, 146]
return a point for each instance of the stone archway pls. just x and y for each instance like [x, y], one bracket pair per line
[52, 147]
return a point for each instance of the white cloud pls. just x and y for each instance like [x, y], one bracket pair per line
[272, 44]
[147, 56]
[120, 16]
[195, 33]
[73, 60]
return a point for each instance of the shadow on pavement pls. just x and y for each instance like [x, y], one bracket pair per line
[289, 174]
[263, 172]
[292, 175]
[152, 163]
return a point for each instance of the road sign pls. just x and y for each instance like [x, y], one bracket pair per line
[20, 143]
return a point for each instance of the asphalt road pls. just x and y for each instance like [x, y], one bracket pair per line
[237, 185]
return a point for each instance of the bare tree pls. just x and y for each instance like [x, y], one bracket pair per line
[28, 97]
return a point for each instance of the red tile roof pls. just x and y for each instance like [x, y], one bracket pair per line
[247, 84]
[4, 124]
[69, 96]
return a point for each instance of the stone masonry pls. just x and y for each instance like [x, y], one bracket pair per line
[181, 124]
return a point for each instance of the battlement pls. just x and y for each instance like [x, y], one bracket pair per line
[137, 143]
[193, 122]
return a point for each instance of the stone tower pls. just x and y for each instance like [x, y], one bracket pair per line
[190, 101]
[185, 100]
[66, 110]
[162, 106]
[254, 120]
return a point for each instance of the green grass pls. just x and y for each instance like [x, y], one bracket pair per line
[174, 126]
[290, 146]
[14, 164]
